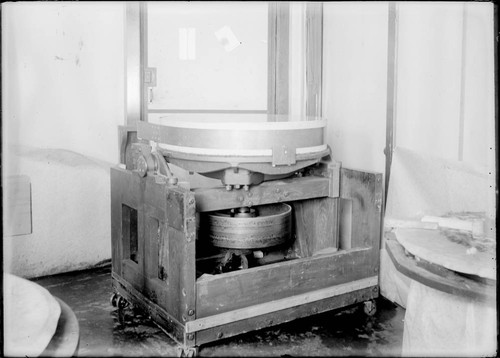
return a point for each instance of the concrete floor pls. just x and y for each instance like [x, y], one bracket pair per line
[346, 332]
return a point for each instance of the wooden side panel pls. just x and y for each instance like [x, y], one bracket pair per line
[123, 192]
[316, 225]
[365, 191]
[286, 315]
[226, 292]
[163, 272]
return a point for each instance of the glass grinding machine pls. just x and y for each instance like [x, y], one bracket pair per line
[277, 231]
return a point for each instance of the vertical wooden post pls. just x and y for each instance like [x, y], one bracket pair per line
[391, 91]
[314, 58]
[278, 57]
[133, 76]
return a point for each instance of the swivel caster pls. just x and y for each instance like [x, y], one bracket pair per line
[187, 351]
[121, 302]
[113, 299]
[370, 307]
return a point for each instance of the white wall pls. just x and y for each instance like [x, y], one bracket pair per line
[355, 82]
[445, 77]
[441, 75]
[218, 74]
[63, 98]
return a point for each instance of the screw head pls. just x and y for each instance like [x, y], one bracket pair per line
[190, 336]
[220, 334]
[191, 312]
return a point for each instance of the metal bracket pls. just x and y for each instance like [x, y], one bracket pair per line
[162, 171]
[150, 76]
[283, 155]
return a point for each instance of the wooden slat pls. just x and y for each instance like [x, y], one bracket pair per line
[365, 191]
[17, 209]
[440, 279]
[278, 57]
[276, 305]
[265, 193]
[286, 315]
[392, 77]
[238, 289]
[314, 58]
[316, 225]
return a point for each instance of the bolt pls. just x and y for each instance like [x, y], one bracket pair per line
[246, 187]
[190, 336]
[229, 187]
[250, 203]
[220, 334]
[191, 312]
[191, 201]
[240, 198]
[315, 309]
[285, 194]
[237, 186]
[173, 180]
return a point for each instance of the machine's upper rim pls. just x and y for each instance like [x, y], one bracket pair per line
[240, 122]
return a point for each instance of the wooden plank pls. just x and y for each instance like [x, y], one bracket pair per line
[166, 219]
[17, 209]
[314, 58]
[316, 225]
[392, 77]
[133, 87]
[285, 315]
[276, 305]
[364, 189]
[266, 193]
[278, 58]
[271, 57]
[447, 281]
[238, 289]
[123, 192]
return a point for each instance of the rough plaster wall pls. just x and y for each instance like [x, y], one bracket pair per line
[63, 98]
[355, 82]
[71, 228]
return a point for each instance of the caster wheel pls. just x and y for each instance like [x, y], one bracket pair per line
[187, 351]
[113, 299]
[121, 302]
[370, 307]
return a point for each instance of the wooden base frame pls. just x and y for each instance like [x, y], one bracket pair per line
[154, 241]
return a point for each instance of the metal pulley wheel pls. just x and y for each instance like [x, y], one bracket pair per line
[250, 228]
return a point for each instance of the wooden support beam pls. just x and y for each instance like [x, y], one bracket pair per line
[266, 193]
[278, 57]
[277, 305]
[314, 58]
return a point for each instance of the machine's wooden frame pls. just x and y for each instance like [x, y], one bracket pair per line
[162, 279]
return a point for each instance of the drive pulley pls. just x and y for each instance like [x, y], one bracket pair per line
[250, 228]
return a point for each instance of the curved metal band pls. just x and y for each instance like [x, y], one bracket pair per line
[231, 139]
